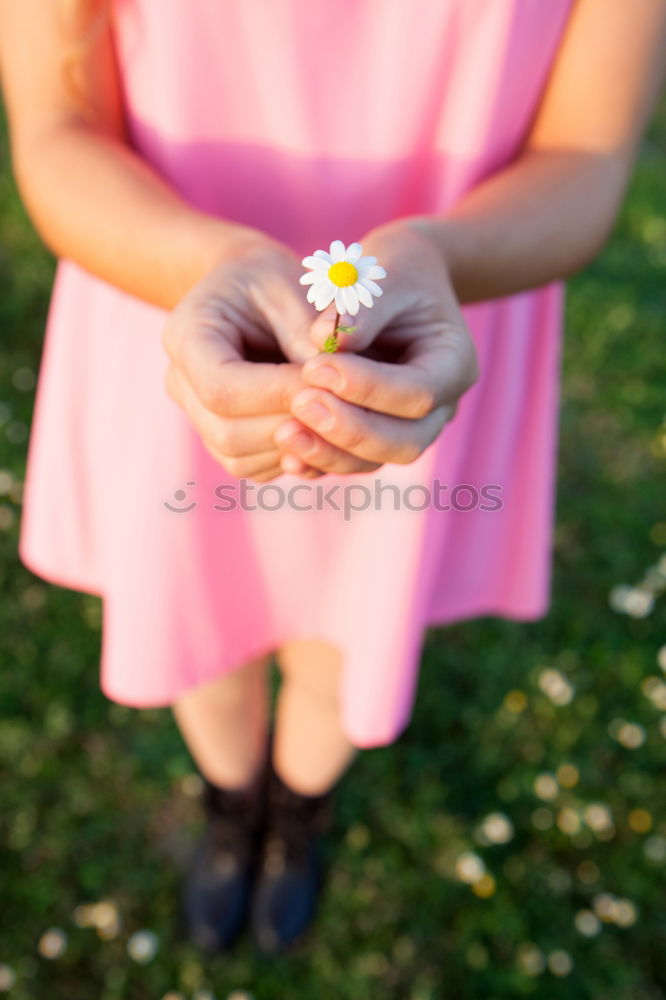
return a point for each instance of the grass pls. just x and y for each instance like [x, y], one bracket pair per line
[97, 801]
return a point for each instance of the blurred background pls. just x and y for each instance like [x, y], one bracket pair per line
[511, 843]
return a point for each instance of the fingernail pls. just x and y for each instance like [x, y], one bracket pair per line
[302, 442]
[311, 411]
[324, 375]
[286, 431]
[289, 463]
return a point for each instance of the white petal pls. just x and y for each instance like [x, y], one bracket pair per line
[339, 300]
[364, 296]
[354, 251]
[323, 253]
[310, 277]
[351, 300]
[371, 286]
[317, 261]
[325, 295]
[376, 271]
[337, 251]
[312, 292]
[365, 262]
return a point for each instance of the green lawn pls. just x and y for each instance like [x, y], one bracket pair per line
[95, 801]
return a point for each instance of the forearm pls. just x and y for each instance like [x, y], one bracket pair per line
[96, 202]
[542, 218]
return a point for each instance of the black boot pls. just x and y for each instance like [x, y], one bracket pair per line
[292, 866]
[217, 888]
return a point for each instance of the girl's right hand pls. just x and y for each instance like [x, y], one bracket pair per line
[236, 342]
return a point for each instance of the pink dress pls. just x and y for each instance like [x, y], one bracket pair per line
[313, 121]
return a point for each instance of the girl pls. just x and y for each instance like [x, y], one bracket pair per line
[180, 158]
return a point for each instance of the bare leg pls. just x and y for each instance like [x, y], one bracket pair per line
[225, 724]
[310, 749]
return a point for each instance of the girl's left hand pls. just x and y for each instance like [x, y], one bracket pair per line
[394, 382]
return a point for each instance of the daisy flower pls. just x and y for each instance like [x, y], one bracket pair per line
[344, 275]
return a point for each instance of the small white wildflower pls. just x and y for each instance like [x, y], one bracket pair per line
[470, 868]
[7, 978]
[587, 923]
[52, 943]
[497, 828]
[546, 786]
[342, 275]
[107, 920]
[631, 735]
[603, 905]
[555, 685]
[626, 913]
[633, 601]
[142, 946]
[655, 689]
[560, 962]
[568, 820]
[598, 816]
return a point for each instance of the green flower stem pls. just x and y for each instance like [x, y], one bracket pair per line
[331, 342]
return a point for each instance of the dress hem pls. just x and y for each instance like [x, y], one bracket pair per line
[493, 609]
[70, 582]
[508, 611]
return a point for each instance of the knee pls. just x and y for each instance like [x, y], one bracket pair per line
[313, 669]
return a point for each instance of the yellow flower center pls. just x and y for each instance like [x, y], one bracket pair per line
[343, 273]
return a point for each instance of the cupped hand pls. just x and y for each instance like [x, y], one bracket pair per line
[236, 343]
[394, 383]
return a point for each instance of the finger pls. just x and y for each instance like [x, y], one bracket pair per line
[225, 438]
[290, 317]
[294, 466]
[248, 467]
[241, 436]
[300, 442]
[289, 461]
[233, 436]
[436, 369]
[228, 385]
[268, 475]
[276, 303]
[263, 295]
[375, 437]
[251, 466]
[277, 470]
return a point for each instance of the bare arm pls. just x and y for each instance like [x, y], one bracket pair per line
[90, 196]
[542, 218]
[550, 212]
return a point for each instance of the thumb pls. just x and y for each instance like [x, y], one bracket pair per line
[368, 324]
[291, 328]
